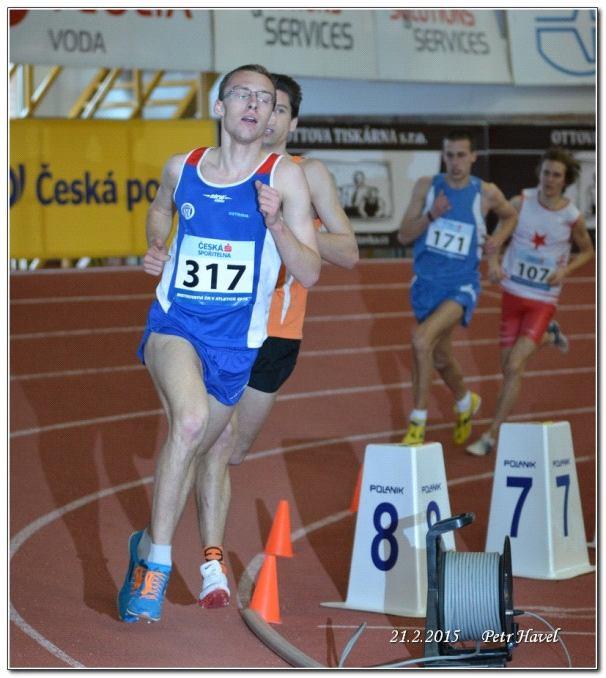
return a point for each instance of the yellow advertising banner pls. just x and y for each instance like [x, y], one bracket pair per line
[82, 187]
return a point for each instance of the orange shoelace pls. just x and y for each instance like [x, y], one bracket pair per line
[138, 575]
[153, 584]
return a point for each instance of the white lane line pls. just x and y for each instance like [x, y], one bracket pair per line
[491, 310]
[398, 348]
[249, 575]
[78, 333]
[392, 348]
[51, 648]
[406, 285]
[21, 537]
[531, 374]
[403, 385]
[62, 374]
[355, 287]
[85, 422]
[386, 435]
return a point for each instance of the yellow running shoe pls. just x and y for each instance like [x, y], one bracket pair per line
[415, 435]
[462, 429]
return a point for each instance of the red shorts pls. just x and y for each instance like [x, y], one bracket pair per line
[520, 316]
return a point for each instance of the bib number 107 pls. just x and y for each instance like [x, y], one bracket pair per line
[533, 273]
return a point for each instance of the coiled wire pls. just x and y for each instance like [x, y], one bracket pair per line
[471, 594]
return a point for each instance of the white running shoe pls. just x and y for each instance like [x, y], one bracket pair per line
[215, 591]
[483, 446]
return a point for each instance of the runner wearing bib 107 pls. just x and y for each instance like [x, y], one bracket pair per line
[534, 265]
[445, 220]
[242, 213]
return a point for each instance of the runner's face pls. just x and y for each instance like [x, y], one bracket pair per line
[552, 178]
[280, 123]
[458, 158]
[245, 120]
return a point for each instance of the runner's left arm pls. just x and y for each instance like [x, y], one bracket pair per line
[338, 245]
[582, 240]
[286, 208]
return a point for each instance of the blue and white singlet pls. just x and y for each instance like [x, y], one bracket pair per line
[448, 252]
[223, 262]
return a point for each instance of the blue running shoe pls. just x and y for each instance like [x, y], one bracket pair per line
[134, 576]
[146, 599]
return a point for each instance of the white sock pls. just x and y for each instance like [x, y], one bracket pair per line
[144, 546]
[419, 415]
[464, 403]
[160, 554]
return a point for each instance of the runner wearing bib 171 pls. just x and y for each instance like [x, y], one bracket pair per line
[535, 263]
[445, 220]
[278, 355]
[242, 212]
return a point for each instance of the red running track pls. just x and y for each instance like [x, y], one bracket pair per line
[86, 425]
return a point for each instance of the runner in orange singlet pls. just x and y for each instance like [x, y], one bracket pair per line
[278, 355]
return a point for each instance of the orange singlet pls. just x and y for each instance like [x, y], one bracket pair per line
[287, 311]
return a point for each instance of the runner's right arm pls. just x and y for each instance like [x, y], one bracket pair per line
[160, 217]
[415, 221]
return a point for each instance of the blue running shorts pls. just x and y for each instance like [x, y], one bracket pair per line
[225, 370]
[425, 297]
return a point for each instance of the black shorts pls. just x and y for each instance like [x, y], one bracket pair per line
[274, 364]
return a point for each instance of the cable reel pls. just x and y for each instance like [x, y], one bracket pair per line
[469, 597]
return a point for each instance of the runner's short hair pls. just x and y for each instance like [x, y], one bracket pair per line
[462, 135]
[292, 88]
[255, 68]
[559, 154]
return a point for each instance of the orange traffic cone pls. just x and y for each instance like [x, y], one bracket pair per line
[265, 599]
[355, 500]
[278, 542]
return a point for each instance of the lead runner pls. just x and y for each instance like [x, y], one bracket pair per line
[278, 355]
[242, 212]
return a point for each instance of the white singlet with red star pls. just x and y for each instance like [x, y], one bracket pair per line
[539, 245]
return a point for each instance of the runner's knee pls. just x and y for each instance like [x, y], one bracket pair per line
[225, 444]
[441, 359]
[421, 342]
[513, 366]
[188, 427]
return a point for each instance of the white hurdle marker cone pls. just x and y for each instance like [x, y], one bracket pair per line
[403, 491]
[536, 501]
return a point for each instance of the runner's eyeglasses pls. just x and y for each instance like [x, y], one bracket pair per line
[244, 94]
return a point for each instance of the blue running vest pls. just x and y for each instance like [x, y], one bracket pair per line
[448, 252]
[223, 262]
